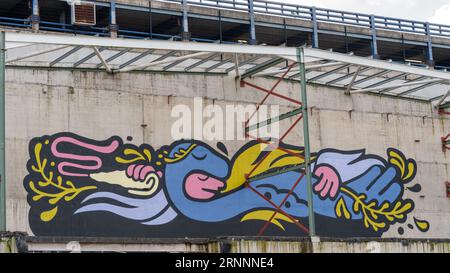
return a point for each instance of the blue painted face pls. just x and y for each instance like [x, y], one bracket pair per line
[200, 174]
[212, 166]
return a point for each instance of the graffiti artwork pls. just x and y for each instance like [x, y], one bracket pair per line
[83, 187]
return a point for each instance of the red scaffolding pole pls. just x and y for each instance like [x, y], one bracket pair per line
[278, 208]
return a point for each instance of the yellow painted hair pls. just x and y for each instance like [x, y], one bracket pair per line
[245, 162]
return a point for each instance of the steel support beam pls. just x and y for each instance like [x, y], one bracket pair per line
[442, 99]
[301, 62]
[185, 35]
[85, 59]
[374, 37]
[102, 60]
[251, 14]
[352, 82]
[430, 57]
[315, 33]
[2, 134]
[35, 18]
[113, 27]
[115, 56]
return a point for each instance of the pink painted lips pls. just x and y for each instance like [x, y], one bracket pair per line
[202, 187]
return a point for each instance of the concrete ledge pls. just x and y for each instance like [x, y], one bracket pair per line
[238, 245]
[13, 242]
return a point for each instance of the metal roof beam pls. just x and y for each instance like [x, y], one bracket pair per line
[135, 59]
[99, 55]
[245, 62]
[165, 61]
[326, 74]
[85, 59]
[368, 78]
[357, 72]
[219, 64]
[286, 52]
[419, 88]
[365, 90]
[37, 53]
[441, 99]
[399, 76]
[115, 56]
[384, 65]
[410, 81]
[65, 55]
[261, 67]
[209, 58]
[352, 82]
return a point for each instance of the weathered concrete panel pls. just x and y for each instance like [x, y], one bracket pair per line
[97, 106]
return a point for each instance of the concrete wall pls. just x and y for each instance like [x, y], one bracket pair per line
[240, 245]
[98, 105]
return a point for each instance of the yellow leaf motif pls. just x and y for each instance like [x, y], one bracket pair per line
[341, 209]
[406, 167]
[422, 225]
[47, 216]
[54, 191]
[374, 216]
[266, 215]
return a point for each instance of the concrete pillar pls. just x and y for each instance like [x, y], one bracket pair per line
[430, 57]
[375, 54]
[251, 12]
[315, 34]
[185, 35]
[113, 27]
[35, 15]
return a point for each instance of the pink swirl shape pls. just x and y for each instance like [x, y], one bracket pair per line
[100, 149]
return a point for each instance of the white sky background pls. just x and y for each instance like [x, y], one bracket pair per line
[435, 11]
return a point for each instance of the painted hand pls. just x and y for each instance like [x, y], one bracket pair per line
[328, 185]
[139, 173]
[379, 184]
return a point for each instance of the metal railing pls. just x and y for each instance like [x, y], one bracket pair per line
[325, 15]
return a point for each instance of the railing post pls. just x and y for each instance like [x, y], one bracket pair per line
[301, 62]
[2, 134]
[374, 37]
[315, 34]
[113, 27]
[185, 35]
[430, 57]
[35, 15]
[151, 18]
[251, 14]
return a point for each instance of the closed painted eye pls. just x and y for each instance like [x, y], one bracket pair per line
[199, 156]
[268, 195]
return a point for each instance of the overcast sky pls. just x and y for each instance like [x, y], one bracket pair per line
[436, 11]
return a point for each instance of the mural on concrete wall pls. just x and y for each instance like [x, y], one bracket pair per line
[83, 187]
